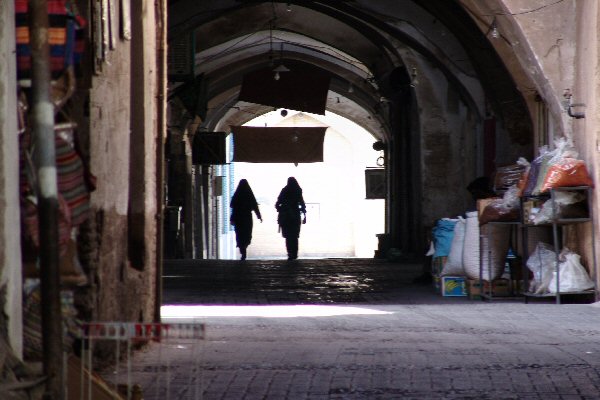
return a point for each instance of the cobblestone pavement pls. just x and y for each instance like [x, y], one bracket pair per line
[360, 329]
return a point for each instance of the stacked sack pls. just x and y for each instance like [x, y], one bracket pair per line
[464, 250]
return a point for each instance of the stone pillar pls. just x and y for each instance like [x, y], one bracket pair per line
[143, 206]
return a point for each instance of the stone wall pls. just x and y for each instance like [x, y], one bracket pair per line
[449, 146]
[549, 50]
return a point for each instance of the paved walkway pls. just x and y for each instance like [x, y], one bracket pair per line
[360, 329]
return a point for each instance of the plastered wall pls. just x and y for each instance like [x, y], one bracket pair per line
[10, 249]
[548, 50]
[449, 147]
[123, 132]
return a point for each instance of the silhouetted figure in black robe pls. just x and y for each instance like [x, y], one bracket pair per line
[242, 204]
[289, 205]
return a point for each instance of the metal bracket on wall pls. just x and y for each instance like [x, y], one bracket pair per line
[569, 106]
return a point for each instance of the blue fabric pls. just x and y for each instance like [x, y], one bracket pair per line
[443, 232]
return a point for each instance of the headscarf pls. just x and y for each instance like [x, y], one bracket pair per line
[293, 188]
[291, 196]
[243, 195]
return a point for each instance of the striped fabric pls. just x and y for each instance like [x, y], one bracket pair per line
[71, 182]
[32, 322]
[31, 225]
[65, 37]
[74, 196]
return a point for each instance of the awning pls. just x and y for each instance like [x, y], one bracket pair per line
[278, 144]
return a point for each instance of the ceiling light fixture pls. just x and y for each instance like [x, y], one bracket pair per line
[414, 80]
[289, 7]
[278, 69]
[494, 30]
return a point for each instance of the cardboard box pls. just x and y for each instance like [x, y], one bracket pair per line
[453, 286]
[500, 288]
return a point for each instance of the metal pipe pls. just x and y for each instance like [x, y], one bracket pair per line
[161, 61]
[42, 122]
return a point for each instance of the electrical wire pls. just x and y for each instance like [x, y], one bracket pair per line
[322, 49]
[484, 22]
[530, 11]
[236, 43]
[434, 44]
[199, 13]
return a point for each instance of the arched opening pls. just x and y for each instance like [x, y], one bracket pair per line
[342, 218]
[425, 81]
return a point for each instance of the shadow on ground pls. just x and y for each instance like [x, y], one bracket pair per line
[310, 281]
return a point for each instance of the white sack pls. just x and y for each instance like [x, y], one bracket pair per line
[495, 243]
[573, 277]
[454, 262]
[541, 263]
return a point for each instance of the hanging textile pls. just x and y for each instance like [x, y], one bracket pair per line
[278, 144]
[303, 88]
[65, 37]
[72, 175]
[71, 181]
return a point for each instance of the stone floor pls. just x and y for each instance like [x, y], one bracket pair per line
[360, 329]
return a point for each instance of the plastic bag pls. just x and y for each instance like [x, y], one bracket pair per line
[454, 263]
[542, 264]
[563, 147]
[567, 172]
[562, 169]
[508, 176]
[442, 236]
[573, 276]
[543, 171]
[562, 202]
[431, 250]
[524, 175]
[505, 209]
[534, 170]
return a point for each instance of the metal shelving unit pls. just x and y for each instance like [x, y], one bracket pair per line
[557, 222]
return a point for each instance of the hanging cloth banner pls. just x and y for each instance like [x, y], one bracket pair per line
[302, 88]
[278, 144]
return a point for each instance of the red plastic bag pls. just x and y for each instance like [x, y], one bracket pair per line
[567, 172]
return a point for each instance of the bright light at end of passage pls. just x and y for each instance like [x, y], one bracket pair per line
[282, 311]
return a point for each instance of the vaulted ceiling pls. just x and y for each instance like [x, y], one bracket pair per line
[370, 48]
